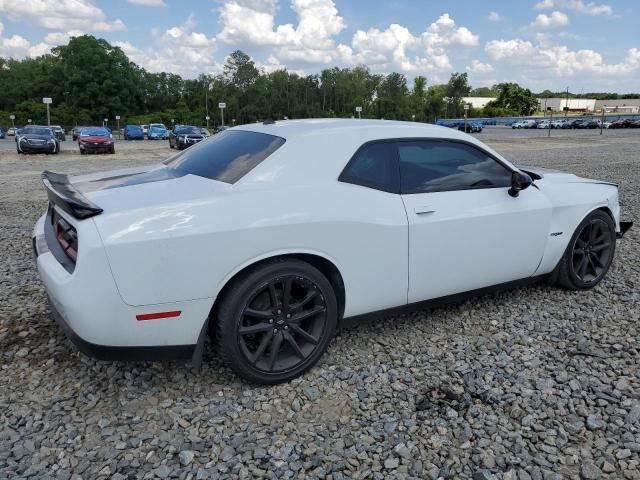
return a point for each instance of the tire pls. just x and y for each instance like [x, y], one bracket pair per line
[112, 151]
[596, 236]
[297, 334]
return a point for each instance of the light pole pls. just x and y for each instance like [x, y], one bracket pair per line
[207, 118]
[12, 117]
[47, 101]
[105, 122]
[359, 110]
[118, 120]
[604, 107]
[222, 106]
[466, 109]
[550, 120]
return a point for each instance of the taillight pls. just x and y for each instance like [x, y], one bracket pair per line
[67, 238]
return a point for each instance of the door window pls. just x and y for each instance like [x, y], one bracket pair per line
[437, 166]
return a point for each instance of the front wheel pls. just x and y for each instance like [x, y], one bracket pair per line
[276, 321]
[589, 254]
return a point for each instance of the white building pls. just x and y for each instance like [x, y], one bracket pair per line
[574, 104]
[477, 102]
[629, 105]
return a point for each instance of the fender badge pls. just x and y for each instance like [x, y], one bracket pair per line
[556, 234]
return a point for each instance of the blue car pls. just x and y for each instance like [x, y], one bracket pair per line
[133, 132]
[157, 131]
[1, 133]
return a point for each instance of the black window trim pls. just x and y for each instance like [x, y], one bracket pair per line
[398, 190]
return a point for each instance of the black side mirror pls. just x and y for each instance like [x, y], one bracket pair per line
[519, 181]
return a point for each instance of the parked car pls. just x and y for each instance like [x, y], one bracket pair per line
[11, 131]
[472, 127]
[59, 133]
[76, 133]
[271, 235]
[524, 124]
[35, 139]
[1, 133]
[157, 131]
[622, 123]
[205, 133]
[133, 132]
[635, 124]
[573, 123]
[183, 136]
[145, 129]
[544, 124]
[96, 140]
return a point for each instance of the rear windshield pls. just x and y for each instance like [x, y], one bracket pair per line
[94, 132]
[226, 157]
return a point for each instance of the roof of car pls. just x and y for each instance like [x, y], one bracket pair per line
[364, 129]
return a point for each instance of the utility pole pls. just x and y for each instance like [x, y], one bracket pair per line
[550, 120]
[604, 107]
[566, 105]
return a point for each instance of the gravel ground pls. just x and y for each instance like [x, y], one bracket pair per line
[532, 383]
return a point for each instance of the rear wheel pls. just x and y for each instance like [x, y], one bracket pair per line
[276, 321]
[589, 254]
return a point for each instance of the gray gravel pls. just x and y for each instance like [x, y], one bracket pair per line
[533, 383]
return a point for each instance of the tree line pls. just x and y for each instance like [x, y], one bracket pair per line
[90, 80]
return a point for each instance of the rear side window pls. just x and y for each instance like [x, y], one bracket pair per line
[375, 166]
[226, 157]
[438, 166]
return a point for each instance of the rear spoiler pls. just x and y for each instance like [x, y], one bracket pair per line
[63, 194]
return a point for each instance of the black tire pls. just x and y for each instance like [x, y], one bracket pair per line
[589, 253]
[113, 150]
[247, 328]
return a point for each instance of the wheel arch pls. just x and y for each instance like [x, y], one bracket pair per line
[326, 265]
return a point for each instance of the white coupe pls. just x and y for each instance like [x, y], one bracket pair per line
[267, 236]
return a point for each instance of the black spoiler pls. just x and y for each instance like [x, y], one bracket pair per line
[63, 194]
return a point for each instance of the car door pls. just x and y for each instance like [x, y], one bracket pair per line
[465, 230]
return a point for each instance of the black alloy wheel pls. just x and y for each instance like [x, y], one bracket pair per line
[282, 323]
[592, 251]
[589, 253]
[276, 321]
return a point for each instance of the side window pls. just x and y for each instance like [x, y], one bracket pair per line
[437, 166]
[374, 166]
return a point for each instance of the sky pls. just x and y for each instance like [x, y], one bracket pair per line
[585, 45]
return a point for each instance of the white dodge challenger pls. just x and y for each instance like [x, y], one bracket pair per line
[267, 236]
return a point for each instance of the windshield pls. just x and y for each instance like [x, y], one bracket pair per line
[157, 129]
[36, 131]
[187, 130]
[227, 157]
[158, 125]
[94, 132]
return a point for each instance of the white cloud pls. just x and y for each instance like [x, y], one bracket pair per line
[560, 61]
[580, 6]
[480, 68]
[148, 3]
[178, 49]
[397, 48]
[555, 19]
[252, 23]
[63, 15]
[13, 46]
[494, 17]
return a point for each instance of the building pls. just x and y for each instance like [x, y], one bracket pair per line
[574, 104]
[477, 102]
[628, 105]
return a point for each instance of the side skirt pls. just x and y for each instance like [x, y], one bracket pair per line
[437, 302]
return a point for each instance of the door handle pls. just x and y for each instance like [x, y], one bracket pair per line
[424, 210]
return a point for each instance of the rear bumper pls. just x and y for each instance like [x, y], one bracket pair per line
[103, 148]
[135, 353]
[87, 306]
